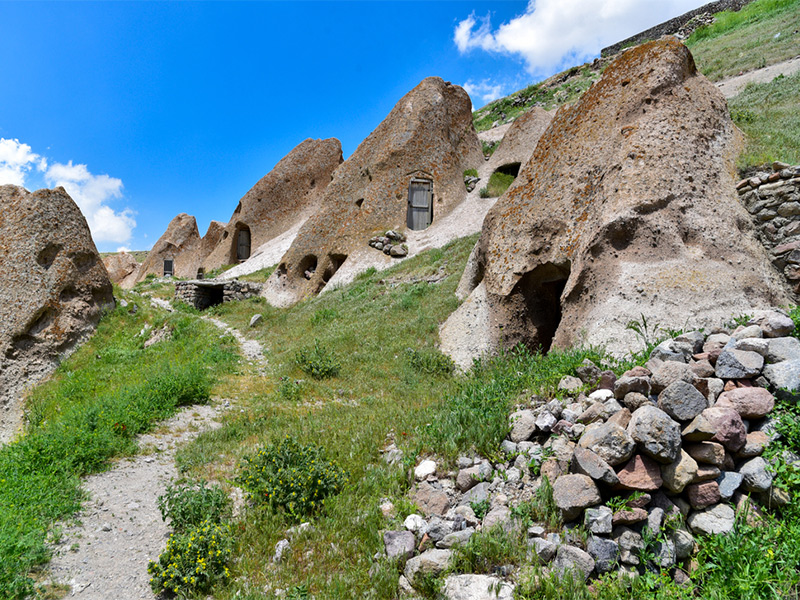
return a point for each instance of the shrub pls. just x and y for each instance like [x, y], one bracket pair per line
[471, 173]
[318, 361]
[188, 504]
[291, 477]
[429, 361]
[193, 562]
[483, 192]
[289, 389]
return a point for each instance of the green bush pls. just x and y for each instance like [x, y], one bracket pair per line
[483, 192]
[318, 361]
[430, 361]
[471, 173]
[188, 504]
[289, 389]
[193, 562]
[291, 477]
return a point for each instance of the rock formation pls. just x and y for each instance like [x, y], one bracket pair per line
[285, 196]
[123, 269]
[427, 139]
[627, 208]
[53, 288]
[179, 245]
[518, 143]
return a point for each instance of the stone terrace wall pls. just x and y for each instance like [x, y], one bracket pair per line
[673, 25]
[773, 200]
[202, 294]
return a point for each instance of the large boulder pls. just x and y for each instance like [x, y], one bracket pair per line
[626, 209]
[426, 142]
[122, 268]
[53, 289]
[519, 141]
[176, 246]
[279, 202]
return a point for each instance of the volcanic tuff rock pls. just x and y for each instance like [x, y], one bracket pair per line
[521, 138]
[122, 269]
[178, 243]
[285, 196]
[427, 135]
[626, 208]
[53, 287]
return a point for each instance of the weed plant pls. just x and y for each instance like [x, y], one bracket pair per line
[187, 504]
[318, 361]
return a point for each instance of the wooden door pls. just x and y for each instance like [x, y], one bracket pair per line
[420, 204]
[168, 268]
[243, 245]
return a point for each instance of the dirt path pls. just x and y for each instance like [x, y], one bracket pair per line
[733, 86]
[119, 530]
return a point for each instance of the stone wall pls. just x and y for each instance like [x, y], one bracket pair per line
[773, 200]
[674, 25]
[201, 293]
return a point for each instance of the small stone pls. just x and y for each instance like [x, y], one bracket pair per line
[281, 550]
[388, 509]
[621, 417]
[523, 425]
[656, 434]
[570, 558]
[508, 447]
[738, 364]
[569, 383]
[625, 385]
[630, 545]
[457, 538]
[588, 372]
[775, 497]
[634, 400]
[609, 441]
[728, 427]
[671, 350]
[424, 470]
[601, 395]
[467, 478]
[754, 446]
[399, 544]
[499, 515]
[256, 319]
[545, 421]
[430, 500]
[607, 380]
[700, 429]
[588, 463]
[680, 473]
[715, 520]
[610, 408]
[670, 372]
[438, 528]
[598, 520]
[703, 494]
[782, 349]
[641, 473]
[629, 516]
[785, 379]
[604, 552]
[707, 452]
[545, 549]
[415, 524]
[749, 402]
[429, 563]
[758, 345]
[592, 414]
[756, 474]
[684, 543]
[728, 482]
[681, 400]
[702, 369]
[749, 332]
[773, 324]
[655, 518]
[476, 587]
[573, 493]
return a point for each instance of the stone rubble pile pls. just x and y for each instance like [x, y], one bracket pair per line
[470, 181]
[200, 293]
[652, 459]
[390, 243]
[773, 200]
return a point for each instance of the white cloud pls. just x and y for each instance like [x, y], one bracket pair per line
[123, 249]
[485, 90]
[92, 193]
[16, 159]
[551, 32]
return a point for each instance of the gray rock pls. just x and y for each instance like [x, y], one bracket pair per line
[569, 383]
[438, 528]
[749, 332]
[782, 348]
[256, 319]
[693, 338]
[681, 400]
[714, 520]
[508, 447]
[668, 373]
[773, 324]
[477, 587]
[523, 425]
[756, 475]
[684, 543]
[672, 350]
[431, 562]
[758, 345]
[479, 493]
[544, 549]
[416, 523]
[630, 544]
[457, 538]
[785, 378]
[729, 482]
[738, 364]
[545, 421]
[598, 520]
[604, 552]
[467, 478]
[399, 544]
[588, 372]
[609, 441]
[573, 493]
[655, 518]
[499, 515]
[570, 558]
[679, 473]
[588, 463]
[656, 434]
[664, 554]
[626, 385]
[281, 548]
[634, 400]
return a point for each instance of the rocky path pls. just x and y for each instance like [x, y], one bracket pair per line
[105, 554]
[733, 86]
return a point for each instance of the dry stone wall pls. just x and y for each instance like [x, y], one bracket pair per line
[773, 200]
[204, 293]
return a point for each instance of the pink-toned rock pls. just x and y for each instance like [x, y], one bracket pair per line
[641, 473]
[749, 402]
[703, 494]
[710, 453]
[628, 517]
[431, 501]
[706, 473]
[756, 442]
[727, 424]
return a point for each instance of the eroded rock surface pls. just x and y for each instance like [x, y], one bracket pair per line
[122, 269]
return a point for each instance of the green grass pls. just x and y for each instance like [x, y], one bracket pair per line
[139, 255]
[746, 40]
[768, 114]
[498, 184]
[89, 412]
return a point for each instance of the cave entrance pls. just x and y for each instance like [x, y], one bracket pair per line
[243, 243]
[208, 295]
[420, 204]
[535, 307]
[169, 267]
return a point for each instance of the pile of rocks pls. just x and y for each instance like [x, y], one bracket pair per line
[773, 200]
[650, 459]
[470, 181]
[390, 243]
[202, 293]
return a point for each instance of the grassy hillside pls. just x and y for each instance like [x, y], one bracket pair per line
[139, 255]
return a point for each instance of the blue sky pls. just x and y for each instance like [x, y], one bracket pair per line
[144, 110]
